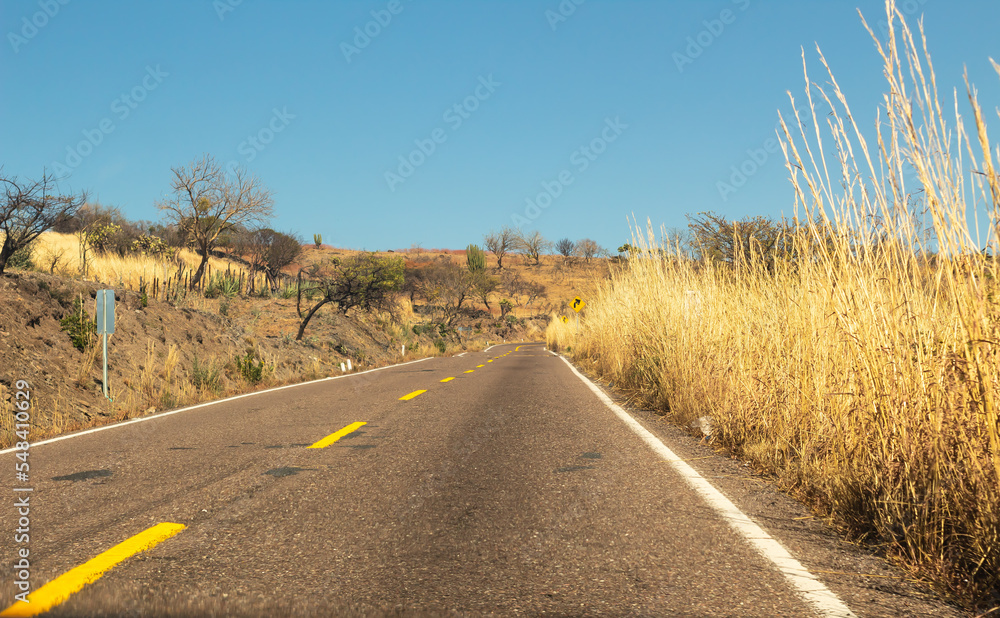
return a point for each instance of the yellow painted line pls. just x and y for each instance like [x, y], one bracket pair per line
[489, 361]
[447, 379]
[72, 581]
[470, 371]
[412, 395]
[333, 437]
[517, 348]
[480, 366]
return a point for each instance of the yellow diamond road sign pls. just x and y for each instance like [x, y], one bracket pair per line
[578, 304]
[564, 319]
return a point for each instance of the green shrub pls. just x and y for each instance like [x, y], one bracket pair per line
[206, 376]
[148, 244]
[82, 330]
[250, 367]
[440, 345]
[223, 285]
[22, 258]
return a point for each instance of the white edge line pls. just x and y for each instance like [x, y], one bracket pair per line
[206, 404]
[492, 346]
[824, 601]
[461, 355]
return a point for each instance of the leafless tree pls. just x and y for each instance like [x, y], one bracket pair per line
[588, 249]
[532, 244]
[209, 201]
[30, 208]
[565, 247]
[500, 243]
[448, 286]
[268, 251]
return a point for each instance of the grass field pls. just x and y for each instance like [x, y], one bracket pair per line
[60, 254]
[865, 372]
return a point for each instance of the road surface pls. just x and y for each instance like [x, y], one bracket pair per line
[497, 482]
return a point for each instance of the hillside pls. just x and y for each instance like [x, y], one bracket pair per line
[173, 348]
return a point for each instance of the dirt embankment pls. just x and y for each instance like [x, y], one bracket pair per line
[166, 355]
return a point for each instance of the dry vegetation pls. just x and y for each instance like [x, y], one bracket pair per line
[863, 371]
[186, 346]
[60, 254]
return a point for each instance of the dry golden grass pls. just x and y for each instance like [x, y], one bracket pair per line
[866, 373]
[560, 334]
[60, 253]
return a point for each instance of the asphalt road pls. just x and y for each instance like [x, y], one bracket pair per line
[513, 489]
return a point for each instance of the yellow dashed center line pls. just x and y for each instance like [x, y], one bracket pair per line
[72, 581]
[469, 371]
[333, 437]
[447, 379]
[412, 395]
[478, 366]
[489, 361]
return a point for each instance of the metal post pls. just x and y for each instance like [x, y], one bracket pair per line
[105, 337]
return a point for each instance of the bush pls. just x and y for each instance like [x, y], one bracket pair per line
[206, 376]
[22, 258]
[250, 367]
[147, 244]
[222, 285]
[82, 330]
[440, 345]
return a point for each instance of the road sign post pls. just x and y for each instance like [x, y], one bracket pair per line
[105, 326]
[578, 306]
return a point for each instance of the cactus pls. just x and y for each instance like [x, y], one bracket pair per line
[318, 240]
[476, 259]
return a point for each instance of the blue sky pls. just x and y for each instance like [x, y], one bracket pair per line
[447, 119]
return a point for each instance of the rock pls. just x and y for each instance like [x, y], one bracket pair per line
[704, 425]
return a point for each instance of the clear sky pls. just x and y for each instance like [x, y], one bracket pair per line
[446, 119]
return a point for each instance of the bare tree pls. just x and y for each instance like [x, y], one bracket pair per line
[500, 243]
[209, 202]
[565, 247]
[483, 285]
[716, 238]
[30, 208]
[448, 286]
[268, 251]
[588, 249]
[532, 244]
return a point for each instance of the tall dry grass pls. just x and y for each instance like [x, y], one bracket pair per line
[61, 254]
[864, 372]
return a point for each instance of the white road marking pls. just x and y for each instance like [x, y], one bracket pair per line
[825, 602]
[206, 404]
[461, 355]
